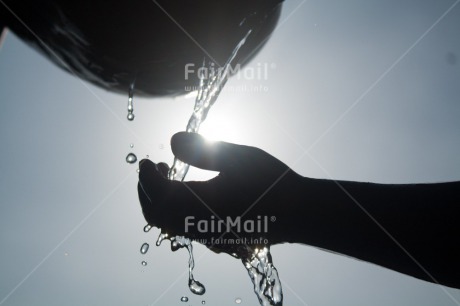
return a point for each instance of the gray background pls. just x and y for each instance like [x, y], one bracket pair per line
[345, 82]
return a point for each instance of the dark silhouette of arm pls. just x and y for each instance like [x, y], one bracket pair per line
[411, 229]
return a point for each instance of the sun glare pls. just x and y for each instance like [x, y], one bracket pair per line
[216, 130]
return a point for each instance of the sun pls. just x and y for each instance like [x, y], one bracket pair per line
[219, 129]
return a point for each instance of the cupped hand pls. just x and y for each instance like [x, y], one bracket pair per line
[253, 191]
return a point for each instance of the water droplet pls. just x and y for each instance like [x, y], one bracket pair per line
[238, 301]
[147, 156]
[144, 263]
[161, 237]
[131, 158]
[148, 227]
[138, 171]
[144, 248]
[184, 299]
[175, 246]
[131, 145]
[203, 302]
[196, 287]
[130, 102]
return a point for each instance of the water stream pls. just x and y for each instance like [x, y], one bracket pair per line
[258, 262]
[130, 103]
[264, 277]
[208, 92]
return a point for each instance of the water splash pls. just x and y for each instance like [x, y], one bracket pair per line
[258, 263]
[179, 242]
[195, 286]
[208, 92]
[131, 158]
[130, 102]
[264, 276]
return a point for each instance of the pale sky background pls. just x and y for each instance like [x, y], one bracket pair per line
[70, 222]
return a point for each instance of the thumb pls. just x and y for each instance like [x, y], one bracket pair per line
[151, 181]
[195, 150]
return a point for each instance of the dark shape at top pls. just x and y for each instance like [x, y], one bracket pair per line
[113, 43]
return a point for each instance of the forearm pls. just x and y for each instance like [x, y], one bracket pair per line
[412, 229]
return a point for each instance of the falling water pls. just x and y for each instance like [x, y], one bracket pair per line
[144, 248]
[147, 228]
[131, 158]
[208, 92]
[179, 242]
[195, 286]
[258, 263]
[264, 276]
[161, 237]
[130, 102]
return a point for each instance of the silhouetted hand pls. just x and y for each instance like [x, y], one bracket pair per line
[251, 184]
[378, 223]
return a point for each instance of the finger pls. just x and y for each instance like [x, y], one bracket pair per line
[195, 150]
[152, 181]
[164, 169]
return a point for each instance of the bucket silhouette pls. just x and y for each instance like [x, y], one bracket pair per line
[114, 43]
